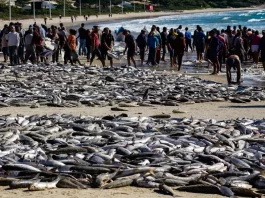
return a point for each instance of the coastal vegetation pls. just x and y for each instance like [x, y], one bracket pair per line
[90, 7]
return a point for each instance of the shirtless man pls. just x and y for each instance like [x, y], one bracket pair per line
[233, 61]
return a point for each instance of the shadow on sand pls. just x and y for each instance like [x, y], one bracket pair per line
[244, 107]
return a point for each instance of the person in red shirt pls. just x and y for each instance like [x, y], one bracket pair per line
[95, 46]
[222, 51]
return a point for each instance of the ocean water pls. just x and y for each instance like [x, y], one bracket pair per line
[254, 19]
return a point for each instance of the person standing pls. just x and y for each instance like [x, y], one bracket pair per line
[255, 47]
[42, 31]
[200, 43]
[45, 20]
[262, 49]
[13, 43]
[131, 46]
[107, 42]
[20, 50]
[188, 39]
[55, 38]
[152, 43]
[239, 47]
[4, 43]
[164, 42]
[30, 50]
[95, 46]
[222, 51]
[88, 45]
[71, 40]
[141, 43]
[230, 43]
[180, 48]
[214, 51]
[82, 40]
[171, 44]
[37, 42]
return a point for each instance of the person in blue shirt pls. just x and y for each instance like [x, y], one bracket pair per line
[200, 43]
[188, 39]
[152, 43]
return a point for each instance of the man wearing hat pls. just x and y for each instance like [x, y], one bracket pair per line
[131, 46]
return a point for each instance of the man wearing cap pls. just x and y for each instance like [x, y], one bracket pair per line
[82, 39]
[262, 48]
[131, 46]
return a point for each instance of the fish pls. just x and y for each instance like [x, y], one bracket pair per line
[168, 190]
[38, 185]
[118, 183]
[174, 154]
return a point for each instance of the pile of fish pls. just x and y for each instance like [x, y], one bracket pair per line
[65, 86]
[167, 154]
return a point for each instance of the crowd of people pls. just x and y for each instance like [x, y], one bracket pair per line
[21, 46]
[215, 46]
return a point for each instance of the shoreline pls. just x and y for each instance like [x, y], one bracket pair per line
[93, 20]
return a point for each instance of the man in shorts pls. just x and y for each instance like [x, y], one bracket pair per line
[95, 44]
[107, 41]
[131, 46]
[233, 61]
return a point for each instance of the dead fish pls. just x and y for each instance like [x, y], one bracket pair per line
[118, 109]
[38, 186]
[160, 116]
[168, 190]
[200, 188]
[118, 183]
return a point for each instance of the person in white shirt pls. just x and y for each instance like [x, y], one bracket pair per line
[13, 43]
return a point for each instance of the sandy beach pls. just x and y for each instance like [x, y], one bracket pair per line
[93, 20]
[215, 110]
